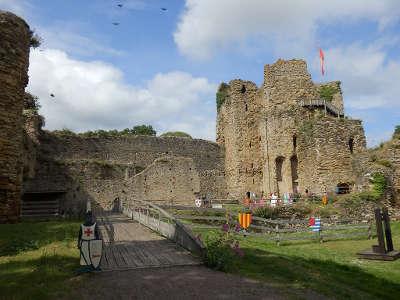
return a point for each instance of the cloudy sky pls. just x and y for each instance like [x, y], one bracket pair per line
[162, 67]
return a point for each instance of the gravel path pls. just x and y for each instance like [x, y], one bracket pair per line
[189, 282]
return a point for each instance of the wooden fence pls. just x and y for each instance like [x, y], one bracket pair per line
[286, 230]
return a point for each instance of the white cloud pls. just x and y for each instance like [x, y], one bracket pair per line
[93, 95]
[64, 36]
[368, 75]
[208, 25]
[17, 7]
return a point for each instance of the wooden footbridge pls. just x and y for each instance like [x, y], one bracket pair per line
[145, 236]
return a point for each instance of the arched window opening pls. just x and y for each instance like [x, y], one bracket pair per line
[253, 180]
[245, 107]
[278, 167]
[342, 188]
[250, 144]
[351, 145]
[294, 142]
[243, 89]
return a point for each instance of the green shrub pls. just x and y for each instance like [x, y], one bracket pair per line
[64, 132]
[385, 163]
[36, 40]
[176, 134]
[267, 212]
[396, 134]
[143, 130]
[326, 92]
[222, 94]
[379, 184]
[219, 254]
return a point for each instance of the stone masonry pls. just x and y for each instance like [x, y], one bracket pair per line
[14, 60]
[275, 143]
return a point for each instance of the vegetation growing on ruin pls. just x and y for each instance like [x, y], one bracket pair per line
[222, 94]
[306, 130]
[36, 40]
[379, 184]
[136, 130]
[31, 102]
[176, 134]
[326, 92]
[396, 134]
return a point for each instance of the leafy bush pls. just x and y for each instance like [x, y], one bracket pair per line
[385, 163]
[64, 132]
[36, 40]
[222, 94]
[267, 212]
[143, 130]
[326, 92]
[176, 134]
[31, 102]
[396, 133]
[222, 248]
[379, 184]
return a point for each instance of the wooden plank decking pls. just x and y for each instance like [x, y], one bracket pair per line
[130, 245]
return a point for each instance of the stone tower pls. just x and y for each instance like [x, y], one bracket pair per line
[14, 60]
[290, 138]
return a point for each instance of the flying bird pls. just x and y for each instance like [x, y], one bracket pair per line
[120, 5]
[115, 23]
[52, 95]
[163, 9]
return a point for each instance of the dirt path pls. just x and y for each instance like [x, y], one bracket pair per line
[189, 282]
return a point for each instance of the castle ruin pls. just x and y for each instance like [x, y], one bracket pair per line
[281, 137]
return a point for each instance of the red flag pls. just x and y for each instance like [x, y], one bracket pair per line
[321, 58]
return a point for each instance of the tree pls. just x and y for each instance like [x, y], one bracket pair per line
[143, 130]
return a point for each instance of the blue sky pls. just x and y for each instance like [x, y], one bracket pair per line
[163, 67]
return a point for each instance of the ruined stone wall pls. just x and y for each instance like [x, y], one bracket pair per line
[325, 155]
[293, 148]
[105, 169]
[285, 84]
[14, 60]
[168, 180]
[136, 150]
[238, 131]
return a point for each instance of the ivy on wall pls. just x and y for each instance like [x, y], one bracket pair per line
[222, 94]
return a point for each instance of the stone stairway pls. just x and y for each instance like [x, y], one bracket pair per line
[39, 209]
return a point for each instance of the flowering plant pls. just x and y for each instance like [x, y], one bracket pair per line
[223, 247]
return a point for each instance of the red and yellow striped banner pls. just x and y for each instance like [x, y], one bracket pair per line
[244, 220]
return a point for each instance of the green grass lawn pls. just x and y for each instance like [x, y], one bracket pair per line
[37, 259]
[331, 268]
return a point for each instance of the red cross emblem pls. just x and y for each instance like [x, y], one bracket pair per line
[88, 232]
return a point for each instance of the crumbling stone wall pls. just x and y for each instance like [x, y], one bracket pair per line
[299, 148]
[168, 180]
[14, 60]
[238, 128]
[105, 169]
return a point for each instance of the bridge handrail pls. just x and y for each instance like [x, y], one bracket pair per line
[173, 229]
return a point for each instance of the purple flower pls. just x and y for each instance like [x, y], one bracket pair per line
[237, 227]
[225, 227]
